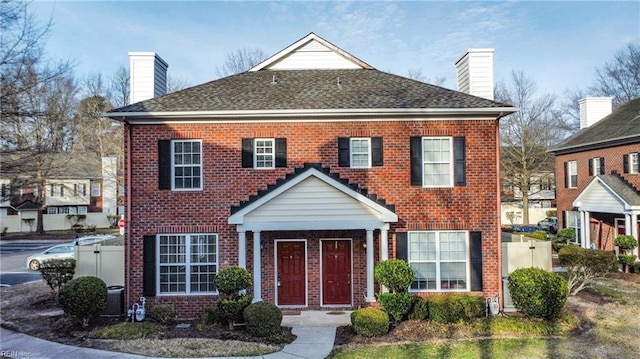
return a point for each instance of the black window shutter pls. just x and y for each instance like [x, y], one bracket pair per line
[602, 165]
[566, 175]
[475, 249]
[164, 164]
[591, 166]
[247, 153]
[625, 163]
[149, 265]
[344, 152]
[416, 161]
[459, 161]
[402, 246]
[281, 152]
[376, 151]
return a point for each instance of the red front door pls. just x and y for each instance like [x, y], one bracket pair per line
[291, 277]
[336, 272]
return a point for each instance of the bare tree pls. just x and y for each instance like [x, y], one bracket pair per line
[240, 61]
[620, 78]
[120, 87]
[526, 135]
[176, 84]
[418, 75]
[571, 110]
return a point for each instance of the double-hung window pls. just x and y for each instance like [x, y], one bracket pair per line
[360, 152]
[187, 263]
[438, 161]
[631, 163]
[439, 260]
[95, 189]
[596, 166]
[571, 175]
[186, 164]
[264, 153]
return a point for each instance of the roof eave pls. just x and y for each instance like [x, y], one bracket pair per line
[595, 145]
[311, 114]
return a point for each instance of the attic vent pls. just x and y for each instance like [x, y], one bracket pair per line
[274, 80]
[339, 82]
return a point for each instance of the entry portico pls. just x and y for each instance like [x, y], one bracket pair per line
[312, 199]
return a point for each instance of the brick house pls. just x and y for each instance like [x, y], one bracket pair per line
[598, 175]
[307, 170]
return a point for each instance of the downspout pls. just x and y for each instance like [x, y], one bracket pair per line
[499, 229]
[127, 228]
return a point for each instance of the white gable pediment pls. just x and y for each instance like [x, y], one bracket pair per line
[313, 201]
[598, 197]
[311, 53]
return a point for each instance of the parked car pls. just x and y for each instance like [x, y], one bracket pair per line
[549, 224]
[61, 251]
[82, 241]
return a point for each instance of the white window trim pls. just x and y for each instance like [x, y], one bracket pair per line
[572, 173]
[82, 210]
[437, 261]
[595, 165]
[96, 189]
[451, 174]
[173, 167]
[352, 152]
[187, 264]
[634, 157]
[273, 153]
[52, 210]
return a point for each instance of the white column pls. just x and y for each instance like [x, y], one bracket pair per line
[384, 249]
[370, 296]
[627, 224]
[634, 230]
[242, 249]
[586, 229]
[582, 230]
[257, 270]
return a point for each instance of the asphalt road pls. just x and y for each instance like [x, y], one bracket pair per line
[13, 259]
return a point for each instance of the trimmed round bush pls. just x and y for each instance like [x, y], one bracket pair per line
[538, 293]
[233, 279]
[566, 233]
[162, 313]
[395, 274]
[370, 322]
[625, 241]
[396, 304]
[84, 298]
[419, 310]
[453, 308]
[262, 318]
[231, 309]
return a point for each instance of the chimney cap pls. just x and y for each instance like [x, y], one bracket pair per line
[148, 54]
[475, 51]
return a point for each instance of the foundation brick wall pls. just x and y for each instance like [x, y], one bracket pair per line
[473, 207]
[613, 160]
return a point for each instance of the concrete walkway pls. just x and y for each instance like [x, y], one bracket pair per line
[315, 331]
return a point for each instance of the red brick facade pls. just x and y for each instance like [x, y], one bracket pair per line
[601, 225]
[474, 207]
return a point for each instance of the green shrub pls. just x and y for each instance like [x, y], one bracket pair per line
[558, 245]
[84, 298]
[57, 272]
[162, 313]
[210, 315]
[394, 274]
[583, 265]
[396, 304]
[541, 235]
[233, 279]
[551, 213]
[231, 309]
[370, 322]
[419, 310]
[625, 241]
[627, 260]
[453, 308]
[537, 293]
[566, 233]
[262, 318]
[635, 268]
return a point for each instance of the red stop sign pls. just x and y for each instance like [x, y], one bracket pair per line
[121, 223]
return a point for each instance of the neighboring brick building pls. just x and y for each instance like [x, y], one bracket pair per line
[598, 175]
[307, 170]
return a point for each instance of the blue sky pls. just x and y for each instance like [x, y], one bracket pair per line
[559, 44]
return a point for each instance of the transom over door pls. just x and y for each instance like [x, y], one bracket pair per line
[291, 278]
[336, 272]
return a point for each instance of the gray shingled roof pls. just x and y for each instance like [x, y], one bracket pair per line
[622, 188]
[621, 126]
[310, 90]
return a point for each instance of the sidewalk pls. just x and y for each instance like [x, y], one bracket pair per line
[315, 333]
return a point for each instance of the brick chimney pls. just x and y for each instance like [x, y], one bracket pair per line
[147, 76]
[594, 109]
[474, 71]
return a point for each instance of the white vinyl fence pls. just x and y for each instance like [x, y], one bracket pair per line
[26, 222]
[530, 253]
[104, 262]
